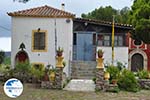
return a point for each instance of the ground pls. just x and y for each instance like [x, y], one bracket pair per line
[32, 93]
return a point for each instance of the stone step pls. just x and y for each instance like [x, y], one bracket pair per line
[83, 69]
[80, 85]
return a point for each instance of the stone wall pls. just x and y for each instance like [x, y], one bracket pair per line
[83, 69]
[101, 83]
[57, 83]
[144, 83]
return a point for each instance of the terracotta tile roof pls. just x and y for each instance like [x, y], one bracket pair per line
[105, 23]
[44, 11]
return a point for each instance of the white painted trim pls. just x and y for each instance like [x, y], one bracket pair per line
[130, 43]
[137, 46]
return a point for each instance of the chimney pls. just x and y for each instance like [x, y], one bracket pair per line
[63, 6]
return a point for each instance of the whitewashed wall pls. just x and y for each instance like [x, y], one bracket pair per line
[121, 55]
[22, 32]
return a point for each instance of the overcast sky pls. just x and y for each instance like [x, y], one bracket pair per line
[74, 6]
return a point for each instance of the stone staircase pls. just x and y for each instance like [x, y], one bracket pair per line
[80, 85]
[83, 69]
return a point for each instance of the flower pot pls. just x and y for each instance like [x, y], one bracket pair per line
[114, 81]
[106, 76]
[52, 76]
[148, 76]
[46, 78]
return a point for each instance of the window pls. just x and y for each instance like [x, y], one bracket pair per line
[94, 39]
[74, 38]
[100, 40]
[115, 41]
[106, 40]
[118, 41]
[39, 41]
[137, 42]
[103, 40]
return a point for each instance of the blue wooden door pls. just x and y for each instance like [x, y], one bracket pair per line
[84, 47]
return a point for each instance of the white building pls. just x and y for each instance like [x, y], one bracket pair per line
[41, 30]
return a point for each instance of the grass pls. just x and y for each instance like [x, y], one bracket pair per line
[31, 93]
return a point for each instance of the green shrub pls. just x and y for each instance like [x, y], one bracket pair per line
[144, 74]
[120, 65]
[37, 74]
[7, 60]
[114, 90]
[22, 71]
[94, 79]
[127, 81]
[114, 72]
[4, 68]
[23, 66]
[2, 56]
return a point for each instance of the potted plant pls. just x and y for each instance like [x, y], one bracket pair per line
[59, 51]
[106, 75]
[114, 81]
[46, 77]
[100, 53]
[52, 75]
[114, 74]
[52, 72]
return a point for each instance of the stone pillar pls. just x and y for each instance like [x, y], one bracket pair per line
[57, 83]
[58, 78]
[101, 83]
[59, 72]
[99, 79]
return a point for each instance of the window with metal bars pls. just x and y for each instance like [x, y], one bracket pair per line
[39, 41]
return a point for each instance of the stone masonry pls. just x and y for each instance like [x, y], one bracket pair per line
[57, 83]
[101, 84]
[144, 83]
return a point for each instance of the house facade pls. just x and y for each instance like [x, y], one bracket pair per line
[91, 35]
[38, 32]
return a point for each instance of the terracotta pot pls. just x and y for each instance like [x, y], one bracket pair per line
[114, 81]
[46, 78]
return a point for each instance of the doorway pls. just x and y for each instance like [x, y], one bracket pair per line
[137, 62]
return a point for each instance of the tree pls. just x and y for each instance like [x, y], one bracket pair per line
[106, 14]
[2, 55]
[140, 19]
[101, 13]
[22, 1]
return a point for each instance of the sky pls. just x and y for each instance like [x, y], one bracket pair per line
[74, 6]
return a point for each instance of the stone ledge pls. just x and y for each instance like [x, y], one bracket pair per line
[144, 83]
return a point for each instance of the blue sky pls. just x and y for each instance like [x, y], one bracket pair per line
[75, 6]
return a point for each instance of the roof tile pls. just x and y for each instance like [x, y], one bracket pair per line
[93, 21]
[43, 11]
